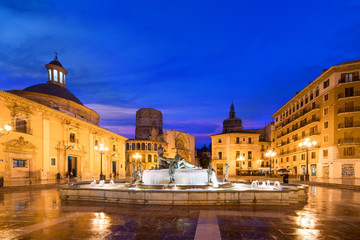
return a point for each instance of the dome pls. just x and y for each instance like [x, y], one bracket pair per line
[54, 90]
[205, 149]
[232, 125]
[56, 62]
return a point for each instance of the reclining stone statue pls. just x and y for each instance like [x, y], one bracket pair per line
[179, 163]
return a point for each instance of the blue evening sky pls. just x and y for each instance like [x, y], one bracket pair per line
[189, 59]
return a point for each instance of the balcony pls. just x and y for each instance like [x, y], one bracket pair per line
[354, 79]
[298, 138]
[349, 109]
[300, 126]
[296, 150]
[300, 113]
[349, 125]
[346, 141]
[342, 96]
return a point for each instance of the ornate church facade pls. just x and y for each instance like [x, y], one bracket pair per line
[149, 136]
[53, 133]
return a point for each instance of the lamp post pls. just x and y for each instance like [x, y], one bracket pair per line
[5, 131]
[270, 154]
[307, 144]
[137, 156]
[102, 149]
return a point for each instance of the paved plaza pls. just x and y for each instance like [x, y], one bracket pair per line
[40, 214]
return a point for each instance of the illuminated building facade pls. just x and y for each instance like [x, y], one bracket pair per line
[242, 149]
[327, 111]
[149, 136]
[54, 133]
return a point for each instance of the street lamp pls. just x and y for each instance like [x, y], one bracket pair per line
[102, 149]
[270, 154]
[240, 158]
[137, 156]
[307, 144]
[5, 131]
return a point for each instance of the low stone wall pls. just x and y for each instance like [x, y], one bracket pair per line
[292, 195]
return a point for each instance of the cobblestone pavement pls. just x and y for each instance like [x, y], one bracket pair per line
[40, 214]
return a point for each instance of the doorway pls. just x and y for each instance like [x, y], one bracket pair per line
[114, 168]
[72, 166]
[220, 169]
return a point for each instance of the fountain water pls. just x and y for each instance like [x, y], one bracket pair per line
[102, 183]
[266, 185]
[183, 184]
[194, 177]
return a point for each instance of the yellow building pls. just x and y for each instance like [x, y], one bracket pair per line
[243, 150]
[149, 136]
[53, 132]
[326, 111]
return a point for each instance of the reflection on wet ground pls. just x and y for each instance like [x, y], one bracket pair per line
[40, 214]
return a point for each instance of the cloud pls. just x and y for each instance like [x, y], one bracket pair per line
[112, 112]
[126, 131]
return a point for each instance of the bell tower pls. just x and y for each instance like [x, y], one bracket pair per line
[56, 72]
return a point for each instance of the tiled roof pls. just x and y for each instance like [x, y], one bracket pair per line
[55, 90]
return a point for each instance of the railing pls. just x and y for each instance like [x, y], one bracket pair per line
[349, 125]
[293, 151]
[298, 138]
[354, 79]
[296, 128]
[349, 109]
[349, 140]
[299, 114]
[343, 95]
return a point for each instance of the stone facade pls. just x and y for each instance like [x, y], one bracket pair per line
[244, 150]
[149, 136]
[325, 111]
[46, 139]
[149, 124]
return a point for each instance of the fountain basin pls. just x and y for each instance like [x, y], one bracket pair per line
[182, 177]
[239, 194]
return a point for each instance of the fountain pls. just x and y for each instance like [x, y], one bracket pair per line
[265, 185]
[178, 182]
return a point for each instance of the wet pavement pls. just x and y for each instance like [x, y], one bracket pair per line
[40, 214]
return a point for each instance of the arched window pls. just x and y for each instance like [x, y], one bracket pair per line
[61, 77]
[155, 147]
[149, 146]
[155, 158]
[133, 146]
[143, 146]
[179, 144]
[55, 75]
[138, 146]
[96, 142]
[50, 75]
[127, 146]
[149, 158]
[114, 148]
[143, 158]
[20, 125]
